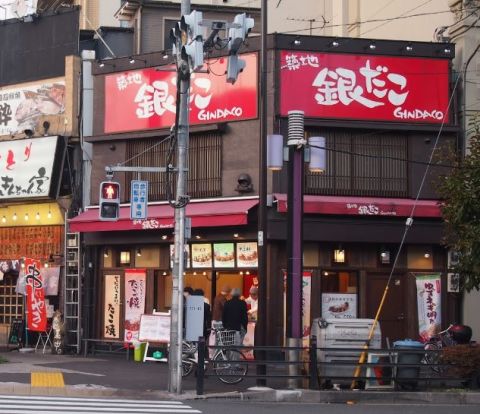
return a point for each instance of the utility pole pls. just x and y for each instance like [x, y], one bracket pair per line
[176, 330]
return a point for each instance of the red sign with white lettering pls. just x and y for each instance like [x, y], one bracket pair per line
[365, 87]
[35, 292]
[146, 99]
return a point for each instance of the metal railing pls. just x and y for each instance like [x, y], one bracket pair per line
[326, 368]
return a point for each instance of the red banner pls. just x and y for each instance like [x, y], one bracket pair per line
[146, 99]
[365, 87]
[37, 312]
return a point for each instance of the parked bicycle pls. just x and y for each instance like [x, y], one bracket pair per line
[453, 335]
[229, 364]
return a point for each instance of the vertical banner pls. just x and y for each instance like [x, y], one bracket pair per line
[37, 312]
[429, 305]
[135, 282]
[306, 301]
[111, 317]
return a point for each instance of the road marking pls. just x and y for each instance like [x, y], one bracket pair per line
[61, 405]
[47, 379]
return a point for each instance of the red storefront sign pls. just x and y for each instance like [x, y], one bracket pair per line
[146, 99]
[37, 312]
[365, 87]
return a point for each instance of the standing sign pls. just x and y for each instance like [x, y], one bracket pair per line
[194, 311]
[111, 323]
[138, 200]
[37, 312]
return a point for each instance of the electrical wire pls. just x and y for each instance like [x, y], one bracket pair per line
[408, 225]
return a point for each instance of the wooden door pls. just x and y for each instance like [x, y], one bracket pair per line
[393, 320]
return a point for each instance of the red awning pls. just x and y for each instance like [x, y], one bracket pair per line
[203, 214]
[363, 206]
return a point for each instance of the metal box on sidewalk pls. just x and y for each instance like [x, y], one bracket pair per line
[340, 341]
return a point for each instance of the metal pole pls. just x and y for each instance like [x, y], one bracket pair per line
[295, 241]
[260, 328]
[176, 332]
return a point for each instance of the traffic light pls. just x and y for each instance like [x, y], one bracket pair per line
[192, 49]
[237, 34]
[109, 201]
[242, 25]
[235, 65]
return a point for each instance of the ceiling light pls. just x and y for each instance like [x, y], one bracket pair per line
[37, 216]
[49, 215]
[446, 50]
[132, 61]
[4, 219]
[101, 65]
[139, 252]
[325, 273]
[408, 48]
[426, 255]
[26, 217]
[14, 217]
[164, 237]
[235, 235]
[105, 252]
[165, 54]
[194, 273]
[297, 41]
[45, 264]
[164, 273]
[372, 46]
[339, 255]
[198, 237]
[335, 43]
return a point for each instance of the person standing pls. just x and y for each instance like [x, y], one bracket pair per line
[235, 315]
[218, 304]
[252, 302]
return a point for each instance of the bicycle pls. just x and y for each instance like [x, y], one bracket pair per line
[228, 364]
[453, 335]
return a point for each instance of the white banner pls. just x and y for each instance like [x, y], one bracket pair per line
[306, 301]
[111, 321]
[135, 284]
[429, 305]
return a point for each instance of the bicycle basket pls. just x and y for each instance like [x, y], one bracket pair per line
[226, 338]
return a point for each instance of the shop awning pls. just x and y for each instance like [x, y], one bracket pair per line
[203, 214]
[363, 206]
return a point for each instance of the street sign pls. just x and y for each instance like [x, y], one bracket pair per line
[138, 200]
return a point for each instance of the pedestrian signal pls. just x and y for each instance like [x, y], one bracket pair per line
[109, 201]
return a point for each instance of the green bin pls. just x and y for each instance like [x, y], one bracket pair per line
[138, 351]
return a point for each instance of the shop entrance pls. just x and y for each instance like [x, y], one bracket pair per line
[392, 319]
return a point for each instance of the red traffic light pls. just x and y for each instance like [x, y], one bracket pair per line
[110, 190]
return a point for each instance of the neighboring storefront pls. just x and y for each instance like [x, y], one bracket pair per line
[380, 124]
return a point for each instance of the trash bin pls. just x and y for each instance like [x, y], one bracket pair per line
[410, 374]
[138, 351]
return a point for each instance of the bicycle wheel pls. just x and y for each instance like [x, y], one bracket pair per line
[187, 367]
[432, 357]
[230, 366]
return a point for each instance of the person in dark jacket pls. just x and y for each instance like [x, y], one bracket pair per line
[235, 315]
[207, 313]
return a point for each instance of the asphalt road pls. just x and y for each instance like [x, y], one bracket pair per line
[242, 407]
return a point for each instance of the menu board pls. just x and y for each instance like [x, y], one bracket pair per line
[224, 255]
[202, 255]
[155, 327]
[247, 255]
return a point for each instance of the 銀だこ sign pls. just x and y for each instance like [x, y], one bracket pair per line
[146, 99]
[365, 87]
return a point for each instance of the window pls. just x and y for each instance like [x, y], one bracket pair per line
[204, 177]
[362, 164]
[11, 304]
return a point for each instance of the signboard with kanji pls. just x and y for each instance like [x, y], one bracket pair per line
[138, 200]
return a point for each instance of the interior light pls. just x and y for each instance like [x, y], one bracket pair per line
[385, 256]
[26, 217]
[194, 273]
[335, 43]
[198, 237]
[372, 46]
[297, 42]
[14, 217]
[165, 55]
[247, 272]
[125, 257]
[408, 48]
[446, 50]
[22, 265]
[101, 64]
[139, 252]
[235, 235]
[325, 273]
[49, 215]
[339, 255]
[105, 252]
[4, 219]
[241, 273]
[426, 255]
[37, 216]
[164, 237]
[204, 273]
[164, 273]
[132, 61]
[45, 264]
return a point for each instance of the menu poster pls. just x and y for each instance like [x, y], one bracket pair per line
[224, 255]
[247, 255]
[187, 255]
[202, 255]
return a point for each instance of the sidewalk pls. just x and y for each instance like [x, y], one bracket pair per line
[113, 376]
